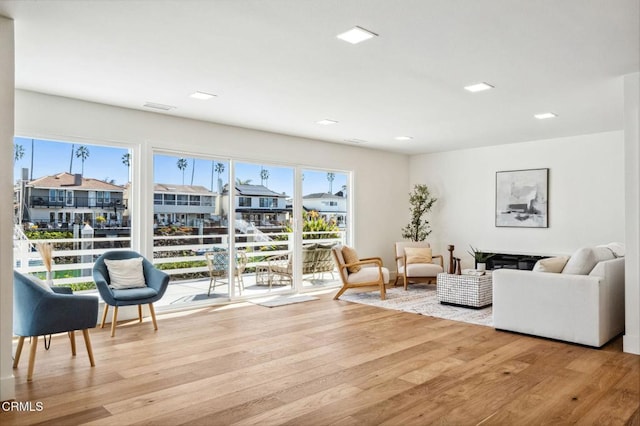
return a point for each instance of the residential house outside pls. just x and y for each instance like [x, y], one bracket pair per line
[65, 199]
[258, 205]
[186, 205]
[329, 206]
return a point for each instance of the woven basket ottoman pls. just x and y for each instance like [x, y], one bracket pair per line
[472, 291]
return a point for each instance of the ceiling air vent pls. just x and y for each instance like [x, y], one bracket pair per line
[162, 107]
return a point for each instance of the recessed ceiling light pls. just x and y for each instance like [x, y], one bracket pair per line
[159, 106]
[403, 138]
[356, 35]
[478, 87]
[545, 115]
[202, 95]
[326, 122]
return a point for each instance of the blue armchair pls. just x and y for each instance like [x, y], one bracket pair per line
[39, 310]
[156, 285]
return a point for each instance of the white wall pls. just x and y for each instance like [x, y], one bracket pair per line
[375, 194]
[6, 214]
[631, 341]
[586, 194]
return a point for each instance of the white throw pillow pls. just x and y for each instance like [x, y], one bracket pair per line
[125, 273]
[616, 248]
[581, 262]
[551, 264]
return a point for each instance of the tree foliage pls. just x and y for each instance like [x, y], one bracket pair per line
[420, 203]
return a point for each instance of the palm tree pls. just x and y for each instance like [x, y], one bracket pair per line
[71, 161]
[31, 169]
[182, 165]
[243, 182]
[18, 152]
[193, 170]
[82, 153]
[217, 168]
[264, 177]
[330, 178]
[126, 160]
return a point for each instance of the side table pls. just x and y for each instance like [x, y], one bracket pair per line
[472, 291]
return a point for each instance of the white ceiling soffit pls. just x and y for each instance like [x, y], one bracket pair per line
[277, 65]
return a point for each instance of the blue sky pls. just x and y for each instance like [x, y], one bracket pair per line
[106, 163]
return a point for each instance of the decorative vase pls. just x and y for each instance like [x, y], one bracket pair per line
[481, 266]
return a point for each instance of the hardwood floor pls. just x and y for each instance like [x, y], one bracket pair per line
[325, 362]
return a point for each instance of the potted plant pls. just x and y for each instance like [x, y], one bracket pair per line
[480, 257]
[420, 203]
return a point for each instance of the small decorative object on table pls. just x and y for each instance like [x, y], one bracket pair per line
[480, 258]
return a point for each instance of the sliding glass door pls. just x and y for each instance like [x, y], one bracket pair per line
[325, 204]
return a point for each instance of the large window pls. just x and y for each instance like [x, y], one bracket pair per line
[80, 223]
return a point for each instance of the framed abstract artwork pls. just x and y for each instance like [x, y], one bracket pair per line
[522, 198]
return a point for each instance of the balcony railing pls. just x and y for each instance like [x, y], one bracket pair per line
[91, 202]
[181, 256]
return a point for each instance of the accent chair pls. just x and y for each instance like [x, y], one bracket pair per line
[355, 272]
[39, 310]
[138, 283]
[416, 263]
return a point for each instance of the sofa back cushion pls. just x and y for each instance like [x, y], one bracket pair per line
[584, 259]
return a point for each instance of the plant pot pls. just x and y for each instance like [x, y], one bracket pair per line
[481, 266]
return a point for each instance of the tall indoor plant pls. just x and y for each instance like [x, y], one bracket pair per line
[420, 203]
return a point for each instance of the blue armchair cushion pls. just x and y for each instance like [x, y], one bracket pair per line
[134, 293]
[38, 312]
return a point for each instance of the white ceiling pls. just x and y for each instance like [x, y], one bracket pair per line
[276, 65]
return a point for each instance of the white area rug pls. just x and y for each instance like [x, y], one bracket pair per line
[420, 299]
[273, 301]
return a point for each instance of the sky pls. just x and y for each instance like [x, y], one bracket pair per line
[106, 163]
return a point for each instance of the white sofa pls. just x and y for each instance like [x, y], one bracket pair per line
[585, 309]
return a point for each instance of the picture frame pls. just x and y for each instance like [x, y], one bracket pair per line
[522, 198]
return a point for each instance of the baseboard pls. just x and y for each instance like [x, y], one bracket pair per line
[7, 388]
[631, 344]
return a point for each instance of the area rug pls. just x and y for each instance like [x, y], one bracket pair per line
[273, 301]
[421, 299]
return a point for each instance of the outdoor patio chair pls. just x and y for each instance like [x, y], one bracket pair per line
[39, 310]
[416, 263]
[280, 269]
[218, 264]
[128, 279]
[355, 272]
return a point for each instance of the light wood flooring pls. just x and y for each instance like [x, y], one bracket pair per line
[325, 362]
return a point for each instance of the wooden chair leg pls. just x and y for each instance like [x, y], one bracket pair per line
[104, 315]
[395, 283]
[18, 352]
[87, 342]
[32, 357]
[114, 320]
[139, 313]
[153, 316]
[339, 293]
[72, 337]
[383, 291]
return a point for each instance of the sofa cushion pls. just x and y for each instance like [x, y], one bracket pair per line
[422, 270]
[616, 248]
[418, 254]
[551, 264]
[584, 259]
[350, 256]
